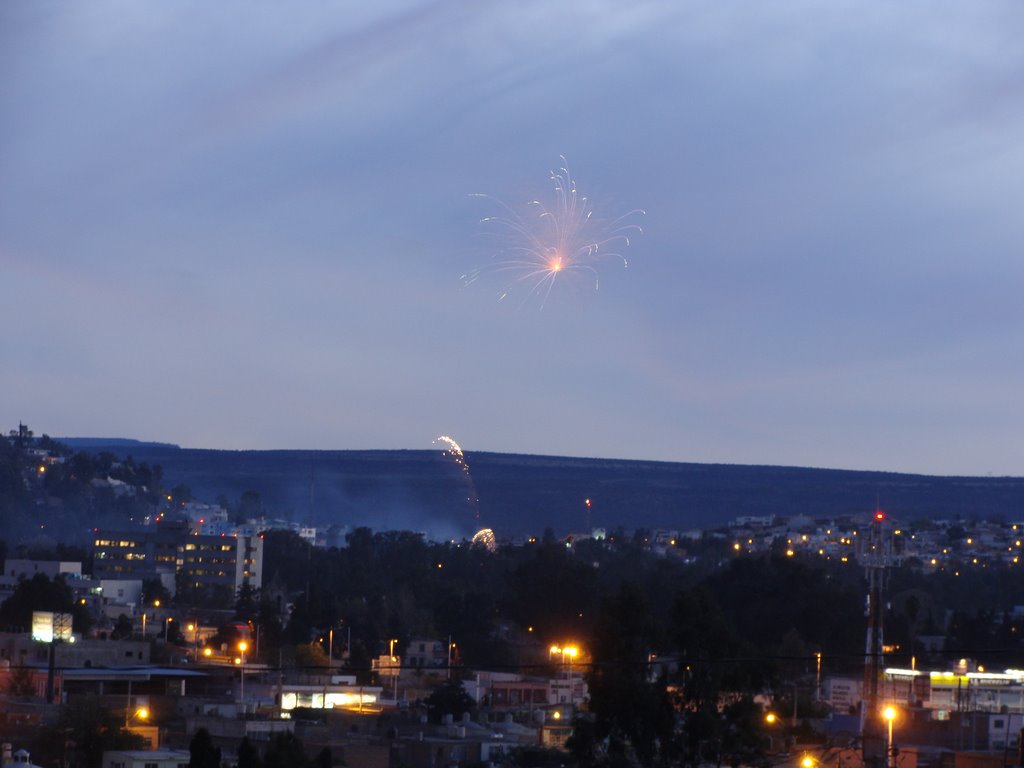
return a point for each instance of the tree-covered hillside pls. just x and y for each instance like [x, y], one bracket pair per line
[52, 494]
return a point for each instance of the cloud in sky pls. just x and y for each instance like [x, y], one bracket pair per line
[243, 225]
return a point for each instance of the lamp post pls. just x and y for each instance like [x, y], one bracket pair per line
[889, 713]
[242, 648]
[167, 629]
[142, 712]
[194, 629]
[395, 668]
[770, 719]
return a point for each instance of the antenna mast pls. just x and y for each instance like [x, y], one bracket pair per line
[876, 555]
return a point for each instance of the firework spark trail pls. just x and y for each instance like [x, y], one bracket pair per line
[454, 451]
[562, 240]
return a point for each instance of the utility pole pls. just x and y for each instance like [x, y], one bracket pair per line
[876, 555]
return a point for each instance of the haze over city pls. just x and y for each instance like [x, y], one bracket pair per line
[246, 226]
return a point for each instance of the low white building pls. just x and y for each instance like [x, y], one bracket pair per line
[137, 758]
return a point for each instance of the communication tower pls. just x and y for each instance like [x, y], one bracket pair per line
[876, 554]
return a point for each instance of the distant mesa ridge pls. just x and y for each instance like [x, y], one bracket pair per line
[524, 494]
[108, 443]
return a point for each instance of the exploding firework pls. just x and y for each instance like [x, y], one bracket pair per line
[453, 451]
[485, 538]
[556, 241]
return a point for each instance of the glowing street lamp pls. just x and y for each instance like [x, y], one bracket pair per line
[889, 713]
[242, 648]
[194, 629]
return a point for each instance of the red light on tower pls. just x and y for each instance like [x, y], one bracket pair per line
[879, 515]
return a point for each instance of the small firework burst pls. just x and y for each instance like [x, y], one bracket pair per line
[453, 451]
[555, 241]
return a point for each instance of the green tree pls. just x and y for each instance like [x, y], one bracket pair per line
[250, 506]
[202, 752]
[324, 758]
[22, 682]
[83, 732]
[449, 698]
[123, 628]
[285, 751]
[41, 594]
[153, 589]
[310, 655]
[181, 494]
[248, 756]
[633, 715]
[246, 602]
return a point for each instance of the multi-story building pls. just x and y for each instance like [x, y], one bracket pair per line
[212, 564]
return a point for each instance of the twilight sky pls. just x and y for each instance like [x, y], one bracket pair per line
[243, 225]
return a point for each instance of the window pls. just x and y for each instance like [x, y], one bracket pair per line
[150, 765]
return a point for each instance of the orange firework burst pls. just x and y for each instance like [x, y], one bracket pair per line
[558, 240]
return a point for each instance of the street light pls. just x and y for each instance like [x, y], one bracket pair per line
[889, 713]
[770, 719]
[242, 648]
[141, 713]
[195, 640]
